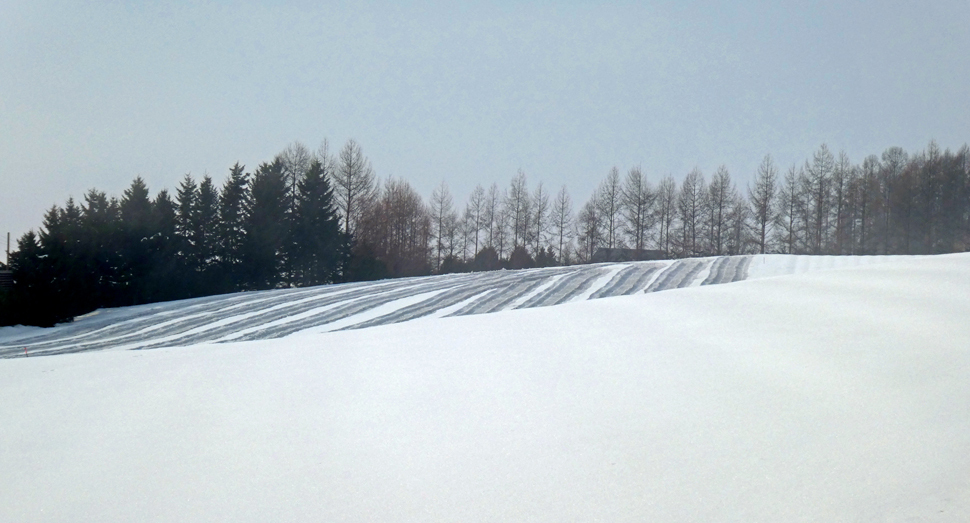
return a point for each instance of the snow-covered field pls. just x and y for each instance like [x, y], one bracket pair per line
[817, 395]
[275, 314]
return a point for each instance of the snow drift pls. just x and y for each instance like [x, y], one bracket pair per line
[830, 396]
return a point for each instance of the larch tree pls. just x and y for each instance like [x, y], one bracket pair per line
[353, 184]
[398, 227]
[475, 216]
[690, 212]
[491, 215]
[561, 217]
[443, 222]
[518, 208]
[842, 175]
[762, 197]
[540, 218]
[637, 201]
[789, 209]
[666, 211]
[893, 162]
[816, 185]
[589, 230]
[718, 202]
[296, 160]
[610, 203]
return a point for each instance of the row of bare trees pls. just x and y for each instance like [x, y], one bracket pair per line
[895, 203]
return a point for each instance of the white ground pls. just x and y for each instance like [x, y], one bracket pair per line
[841, 395]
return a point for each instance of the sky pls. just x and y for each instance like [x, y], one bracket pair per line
[93, 94]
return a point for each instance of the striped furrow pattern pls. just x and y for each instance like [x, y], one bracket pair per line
[278, 313]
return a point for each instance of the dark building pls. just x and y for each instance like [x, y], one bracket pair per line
[624, 255]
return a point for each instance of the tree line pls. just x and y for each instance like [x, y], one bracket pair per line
[310, 218]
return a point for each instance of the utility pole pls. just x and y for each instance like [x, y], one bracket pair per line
[6, 276]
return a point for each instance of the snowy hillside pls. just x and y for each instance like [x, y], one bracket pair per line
[837, 396]
[274, 314]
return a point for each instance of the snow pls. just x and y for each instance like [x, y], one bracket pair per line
[599, 283]
[828, 395]
[273, 314]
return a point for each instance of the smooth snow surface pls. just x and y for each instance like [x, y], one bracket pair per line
[840, 395]
[279, 313]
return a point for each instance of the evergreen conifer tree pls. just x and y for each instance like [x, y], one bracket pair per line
[233, 201]
[317, 238]
[266, 227]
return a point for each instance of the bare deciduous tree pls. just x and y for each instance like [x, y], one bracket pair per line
[762, 197]
[517, 205]
[690, 212]
[738, 224]
[475, 216]
[894, 160]
[867, 191]
[637, 200]
[398, 229]
[353, 184]
[610, 203]
[490, 214]
[842, 174]
[719, 200]
[588, 230]
[666, 211]
[816, 185]
[444, 222]
[789, 206]
[539, 218]
[562, 223]
[296, 160]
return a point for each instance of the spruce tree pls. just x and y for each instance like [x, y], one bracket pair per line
[266, 227]
[205, 219]
[135, 248]
[167, 281]
[318, 248]
[185, 197]
[233, 201]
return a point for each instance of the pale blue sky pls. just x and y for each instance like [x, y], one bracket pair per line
[94, 93]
